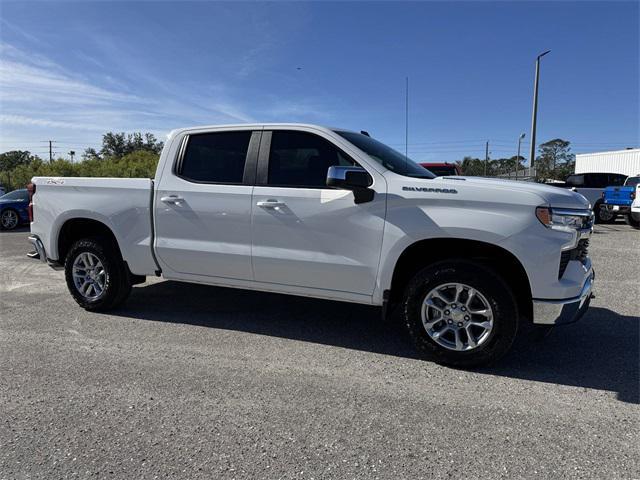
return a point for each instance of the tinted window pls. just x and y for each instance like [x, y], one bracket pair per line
[16, 195]
[575, 180]
[632, 181]
[300, 159]
[386, 156]
[216, 157]
[616, 179]
[596, 180]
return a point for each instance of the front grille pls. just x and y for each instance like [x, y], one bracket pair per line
[564, 261]
[582, 250]
[580, 253]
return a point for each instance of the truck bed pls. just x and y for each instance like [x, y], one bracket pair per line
[122, 204]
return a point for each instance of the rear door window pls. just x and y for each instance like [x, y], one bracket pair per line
[596, 180]
[616, 180]
[217, 157]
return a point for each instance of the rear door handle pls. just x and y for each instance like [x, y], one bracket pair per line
[171, 199]
[270, 204]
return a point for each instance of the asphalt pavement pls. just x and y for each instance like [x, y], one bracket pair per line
[190, 381]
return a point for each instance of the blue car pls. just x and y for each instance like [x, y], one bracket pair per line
[14, 209]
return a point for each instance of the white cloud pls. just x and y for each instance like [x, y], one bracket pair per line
[41, 99]
[40, 122]
[41, 95]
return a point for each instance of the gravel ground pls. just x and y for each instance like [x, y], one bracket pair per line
[191, 381]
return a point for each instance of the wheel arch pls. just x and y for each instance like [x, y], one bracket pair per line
[74, 229]
[422, 253]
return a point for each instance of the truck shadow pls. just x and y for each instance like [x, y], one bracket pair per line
[601, 352]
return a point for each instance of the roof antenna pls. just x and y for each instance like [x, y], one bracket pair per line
[364, 132]
[406, 123]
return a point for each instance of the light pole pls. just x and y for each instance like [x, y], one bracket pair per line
[532, 150]
[518, 155]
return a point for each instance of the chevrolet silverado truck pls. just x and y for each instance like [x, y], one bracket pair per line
[620, 200]
[333, 214]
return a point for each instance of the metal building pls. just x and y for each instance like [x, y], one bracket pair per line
[626, 162]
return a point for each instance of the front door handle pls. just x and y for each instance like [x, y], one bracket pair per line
[270, 204]
[171, 199]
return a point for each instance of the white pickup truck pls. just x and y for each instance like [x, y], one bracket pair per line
[327, 213]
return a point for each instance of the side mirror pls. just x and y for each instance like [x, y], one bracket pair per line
[356, 179]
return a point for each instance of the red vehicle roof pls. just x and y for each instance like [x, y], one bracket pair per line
[451, 167]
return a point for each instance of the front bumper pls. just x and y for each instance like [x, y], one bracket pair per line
[569, 310]
[617, 208]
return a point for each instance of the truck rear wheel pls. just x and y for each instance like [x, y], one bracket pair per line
[603, 215]
[460, 313]
[96, 275]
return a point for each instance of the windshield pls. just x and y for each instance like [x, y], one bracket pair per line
[16, 195]
[632, 181]
[386, 156]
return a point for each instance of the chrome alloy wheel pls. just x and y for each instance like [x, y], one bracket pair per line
[457, 316]
[9, 219]
[89, 276]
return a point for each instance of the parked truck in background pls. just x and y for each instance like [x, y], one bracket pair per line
[592, 186]
[620, 200]
[326, 213]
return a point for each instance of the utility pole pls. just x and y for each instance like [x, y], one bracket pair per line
[532, 150]
[50, 151]
[72, 154]
[486, 157]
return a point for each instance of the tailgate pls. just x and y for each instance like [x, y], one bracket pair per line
[618, 195]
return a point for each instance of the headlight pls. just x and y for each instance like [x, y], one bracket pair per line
[565, 220]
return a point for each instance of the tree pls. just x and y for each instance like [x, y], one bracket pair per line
[90, 154]
[555, 160]
[10, 160]
[472, 166]
[121, 155]
[117, 145]
[114, 145]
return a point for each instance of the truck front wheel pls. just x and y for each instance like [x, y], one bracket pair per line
[460, 313]
[96, 274]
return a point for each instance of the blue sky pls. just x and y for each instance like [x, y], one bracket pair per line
[72, 71]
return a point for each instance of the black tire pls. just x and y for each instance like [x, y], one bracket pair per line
[9, 211]
[602, 218]
[117, 284]
[633, 219]
[485, 281]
